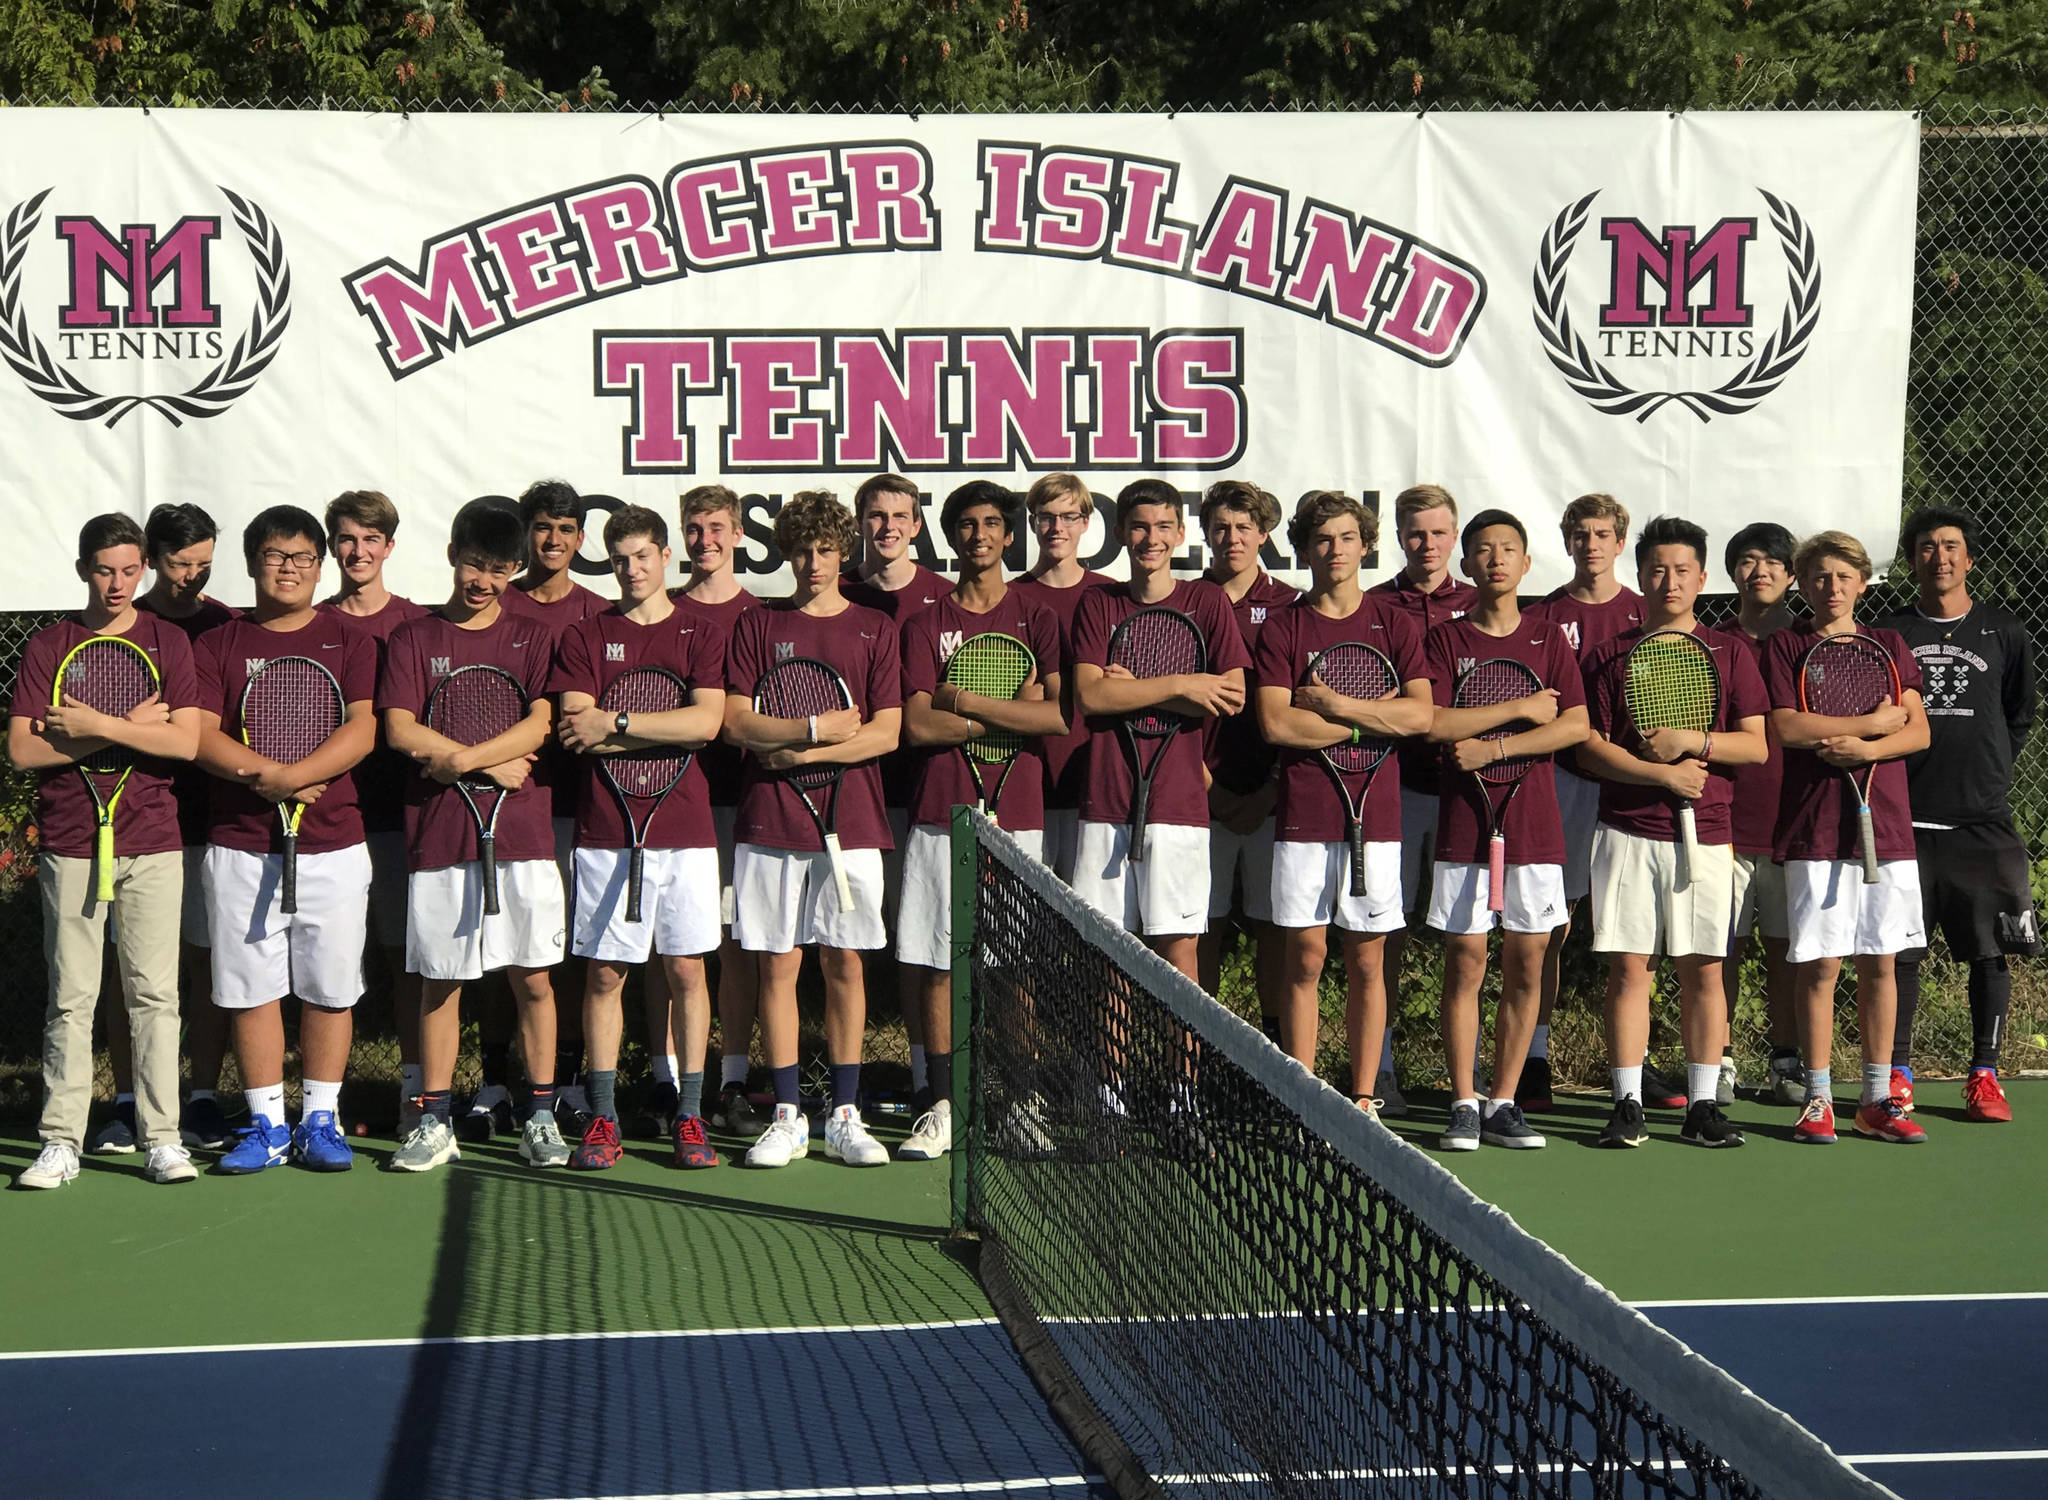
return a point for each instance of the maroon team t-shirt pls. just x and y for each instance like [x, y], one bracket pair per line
[1816, 812]
[1533, 829]
[1754, 812]
[719, 762]
[439, 831]
[146, 817]
[1584, 627]
[587, 660]
[1309, 811]
[557, 767]
[1066, 766]
[861, 646]
[190, 785]
[943, 781]
[926, 588]
[1238, 757]
[1449, 600]
[239, 818]
[1646, 811]
[381, 776]
[1178, 795]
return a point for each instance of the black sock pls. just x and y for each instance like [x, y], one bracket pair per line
[435, 1102]
[1990, 997]
[785, 1084]
[941, 1066]
[1908, 977]
[602, 1082]
[846, 1083]
[497, 1064]
[1270, 1025]
[540, 1098]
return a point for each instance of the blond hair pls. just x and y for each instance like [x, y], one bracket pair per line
[1826, 544]
[1596, 507]
[1423, 497]
[705, 499]
[370, 509]
[1051, 487]
[1320, 507]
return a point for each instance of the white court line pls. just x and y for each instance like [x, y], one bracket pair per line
[2008, 1455]
[1830, 1301]
[876, 1491]
[503, 1338]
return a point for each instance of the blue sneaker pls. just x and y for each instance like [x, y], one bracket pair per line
[261, 1144]
[318, 1143]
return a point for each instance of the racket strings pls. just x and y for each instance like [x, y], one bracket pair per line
[1848, 679]
[652, 769]
[992, 667]
[1357, 672]
[797, 690]
[1488, 685]
[291, 709]
[115, 678]
[1673, 685]
[1158, 643]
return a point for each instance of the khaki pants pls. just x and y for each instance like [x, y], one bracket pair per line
[149, 889]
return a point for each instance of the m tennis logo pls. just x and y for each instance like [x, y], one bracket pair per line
[437, 666]
[614, 650]
[1466, 664]
[785, 650]
[251, 665]
[1570, 631]
[949, 642]
[1258, 614]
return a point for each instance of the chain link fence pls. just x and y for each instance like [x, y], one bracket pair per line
[1976, 438]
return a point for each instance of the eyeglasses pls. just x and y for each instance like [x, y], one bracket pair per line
[297, 562]
[1059, 520]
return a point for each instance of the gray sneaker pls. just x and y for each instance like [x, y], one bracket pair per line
[55, 1165]
[1463, 1132]
[1506, 1127]
[117, 1136]
[1788, 1080]
[430, 1145]
[541, 1142]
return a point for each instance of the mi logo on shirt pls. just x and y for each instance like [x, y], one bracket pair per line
[949, 642]
[1258, 614]
[1570, 630]
[614, 650]
[251, 665]
[1466, 664]
[437, 666]
[784, 650]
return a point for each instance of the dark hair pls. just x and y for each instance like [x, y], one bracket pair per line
[1318, 508]
[1767, 537]
[1672, 531]
[1933, 519]
[975, 492]
[631, 521]
[552, 497]
[811, 517]
[884, 484]
[1487, 518]
[173, 528]
[488, 531]
[114, 529]
[1144, 492]
[1241, 494]
[284, 521]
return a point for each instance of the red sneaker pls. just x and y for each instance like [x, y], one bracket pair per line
[1816, 1122]
[1902, 1089]
[600, 1148]
[1986, 1100]
[692, 1149]
[1887, 1120]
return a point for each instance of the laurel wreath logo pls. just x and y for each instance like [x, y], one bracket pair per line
[1764, 373]
[223, 385]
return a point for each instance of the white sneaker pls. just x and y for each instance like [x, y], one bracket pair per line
[1724, 1089]
[170, 1164]
[1020, 1131]
[117, 1136]
[55, 1165]
[847, 1140]
[431, 1144]
[930, 1138]
[1393, 1103]
[787, 1139]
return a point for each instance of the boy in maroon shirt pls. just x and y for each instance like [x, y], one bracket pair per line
[50, 738]
[261, 953]
[785, 896]
[448, 940]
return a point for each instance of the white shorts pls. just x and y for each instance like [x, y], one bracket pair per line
[678, 905]
[1638, 906]
[924, 923]
[1312, 886]
[1062, 840]
[723, 820]
[260, 954]
[1169, 897]
[786, 899]
[1533, 901]
[1249, 853]
[1758, 902]
[448, 937]
[1833, 914]
[1578, 801]
[1418, 845]
[389, 880]
[193, 923]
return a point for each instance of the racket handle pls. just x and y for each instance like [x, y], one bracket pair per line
[487, 859]
[635, 866]
[1689, 833]
[1867, 832]
[1496, 873]
[837, 856]
[1140, 809]
[103, 857]
[1355, 834]
[288, 881]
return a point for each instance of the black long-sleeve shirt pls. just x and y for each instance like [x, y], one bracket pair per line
[1980, 700]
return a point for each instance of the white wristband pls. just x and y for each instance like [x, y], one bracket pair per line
[814, 729]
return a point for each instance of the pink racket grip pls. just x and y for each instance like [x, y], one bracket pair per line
[1496, 873]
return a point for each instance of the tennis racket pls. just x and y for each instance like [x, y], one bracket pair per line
[643, 777]
[1488, 684]
[1357, 671]
[1845, 677]
[290, 706]
[1154, 642]
[471, 705]
[995, 666]
[797, 689]
[1671, 682]
[115, 676]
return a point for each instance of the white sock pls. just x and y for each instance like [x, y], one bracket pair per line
[1539, 1044]
[1701, 1080]
[127, 1098]
[664, 1067]
[1387, 1053]
[918, 1077]
[267, 1102]
[1877, 1082]
[1458, 1104]
[1493, 1105]
[732, 1068]
[412, 1080]
[319, 1096]
[1628, 1083]
[198, 1094]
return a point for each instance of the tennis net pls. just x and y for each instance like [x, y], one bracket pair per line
[1228, 1281]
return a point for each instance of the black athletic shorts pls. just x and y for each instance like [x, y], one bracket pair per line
[1975, 886]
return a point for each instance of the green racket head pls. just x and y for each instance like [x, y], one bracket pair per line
[993, 665]
[1672, 683]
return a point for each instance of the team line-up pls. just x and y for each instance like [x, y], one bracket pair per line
[529, 772]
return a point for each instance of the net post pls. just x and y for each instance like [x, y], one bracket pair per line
[963, 1010]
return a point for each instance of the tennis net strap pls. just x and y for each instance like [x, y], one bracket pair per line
[1229, 1281]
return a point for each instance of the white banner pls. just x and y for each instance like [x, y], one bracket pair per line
[1703, 314]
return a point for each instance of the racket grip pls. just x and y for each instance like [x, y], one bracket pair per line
[837, 857]
[635, 866]
[1689, 834]
[104, 859]
[1140, 809]
[1496, 873]
[1356, 836]
[1867, 832]
[487, 859]
[288, 880]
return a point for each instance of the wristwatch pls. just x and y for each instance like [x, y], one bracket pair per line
[619, 724]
